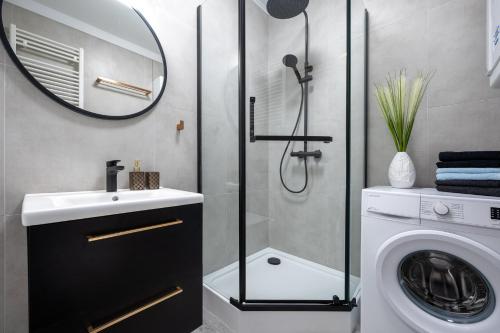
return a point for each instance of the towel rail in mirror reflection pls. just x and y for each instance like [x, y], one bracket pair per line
[57, 66]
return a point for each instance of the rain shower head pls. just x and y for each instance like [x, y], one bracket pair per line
[283, 9]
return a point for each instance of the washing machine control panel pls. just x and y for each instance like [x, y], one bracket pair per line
[495, 213]
[441, 210]
[469, 211]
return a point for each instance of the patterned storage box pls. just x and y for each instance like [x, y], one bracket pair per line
[153, 180]
[137, 181]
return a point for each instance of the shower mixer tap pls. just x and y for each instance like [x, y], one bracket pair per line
[305, 154]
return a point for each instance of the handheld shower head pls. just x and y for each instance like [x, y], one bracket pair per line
[291, 61]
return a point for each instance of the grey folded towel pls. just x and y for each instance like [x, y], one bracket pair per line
[448, 156]
[488, 191]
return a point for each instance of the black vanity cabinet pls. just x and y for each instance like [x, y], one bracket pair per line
[138, 272]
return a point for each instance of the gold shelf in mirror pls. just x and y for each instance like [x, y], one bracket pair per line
[122, 86]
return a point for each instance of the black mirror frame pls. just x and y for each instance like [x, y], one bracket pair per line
[72, 107]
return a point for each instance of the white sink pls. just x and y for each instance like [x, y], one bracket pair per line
[57, 207]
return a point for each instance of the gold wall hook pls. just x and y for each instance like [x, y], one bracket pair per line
[180, 125]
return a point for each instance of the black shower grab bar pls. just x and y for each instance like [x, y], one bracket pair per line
[309, 138]
[254, 138]
[252, 119]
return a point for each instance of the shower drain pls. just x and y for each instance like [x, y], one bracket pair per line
[274, 261]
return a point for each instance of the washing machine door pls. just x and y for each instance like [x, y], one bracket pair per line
[440, 282]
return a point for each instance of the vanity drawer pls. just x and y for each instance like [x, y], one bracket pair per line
[170, 311]
[89, 269]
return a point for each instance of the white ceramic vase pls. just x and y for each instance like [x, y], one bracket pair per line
[402, 171]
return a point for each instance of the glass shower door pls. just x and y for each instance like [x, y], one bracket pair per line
[218, 140]
[358, 44]
[281, 141]
[296, 152]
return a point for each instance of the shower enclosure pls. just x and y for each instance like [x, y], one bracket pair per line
[281, 149]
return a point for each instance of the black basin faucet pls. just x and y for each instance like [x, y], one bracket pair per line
[112, 170]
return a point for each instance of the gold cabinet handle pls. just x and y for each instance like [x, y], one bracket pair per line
[143, 308]
[91, 239]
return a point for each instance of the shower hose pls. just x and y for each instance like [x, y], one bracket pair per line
[294, 132]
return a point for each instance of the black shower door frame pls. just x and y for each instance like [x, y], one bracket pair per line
[243, 303]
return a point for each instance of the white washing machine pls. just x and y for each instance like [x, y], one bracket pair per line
[430, 262]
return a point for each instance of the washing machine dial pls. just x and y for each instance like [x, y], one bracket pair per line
[440, 208]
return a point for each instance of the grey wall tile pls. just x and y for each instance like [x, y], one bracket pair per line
[458, 44]
[447, 37]
[394, 47]
[220, 231]
[178, 38]
[388, 11]
[51, 149]
[400, 45]
[467, 126]
[175, 151]
[308, 225]
[16, 276]
[257, 235]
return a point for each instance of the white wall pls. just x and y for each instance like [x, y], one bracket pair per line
[46, 148]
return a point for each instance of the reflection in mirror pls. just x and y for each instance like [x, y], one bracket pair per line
[99, 56]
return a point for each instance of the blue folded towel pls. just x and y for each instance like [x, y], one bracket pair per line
[468, 170]
[468, 176]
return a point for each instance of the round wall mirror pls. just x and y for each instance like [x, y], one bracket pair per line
[100, 58]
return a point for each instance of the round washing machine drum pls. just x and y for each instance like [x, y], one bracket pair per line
[446, 287]
[440, 282]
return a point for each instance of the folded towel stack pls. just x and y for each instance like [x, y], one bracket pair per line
[469, 172]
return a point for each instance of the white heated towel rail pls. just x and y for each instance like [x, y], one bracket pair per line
[58, 67]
